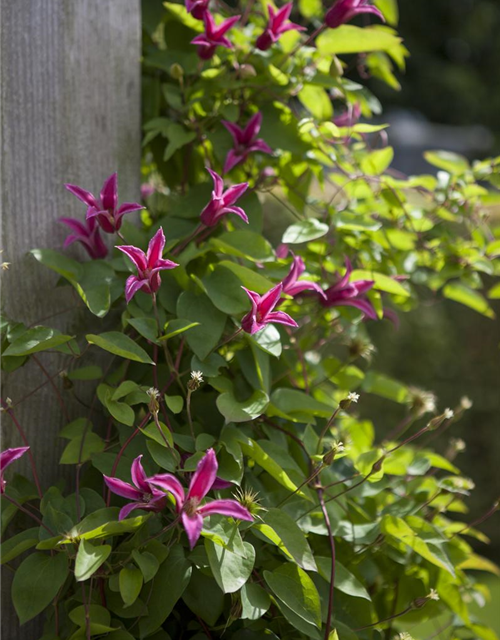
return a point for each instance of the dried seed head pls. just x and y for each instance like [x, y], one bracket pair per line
[249, 499]
[328, 458]
[154, 397]
[421, 401]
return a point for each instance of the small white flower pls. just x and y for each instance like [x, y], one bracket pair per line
[458, 444]
[465, 403]
[197, 376]
[353, 397]
[153, 393]
[433, 595]
[339, 447]
[403, 636]
[448, 414]
[5, 266]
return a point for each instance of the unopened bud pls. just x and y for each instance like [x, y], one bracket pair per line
[196, 380]
[329, 457]
[465, 403]
[348, 400]
[336, 69]
[8, 404]
[436, 422]
[154, 404]
[67, 383]
[176, 71]
[377, 466]
[247, 71]
[458, 445]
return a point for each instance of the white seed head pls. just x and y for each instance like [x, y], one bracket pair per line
[433, 595]
[153, 393]
[465, 403]
[458, 444]
[197, 376]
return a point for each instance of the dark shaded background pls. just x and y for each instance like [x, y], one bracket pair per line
[452, 79]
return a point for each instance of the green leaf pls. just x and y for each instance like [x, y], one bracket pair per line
[345, 581]
[248, 278]
[92, 444]
[384, 386]
[382, 282]
[178, 137]
[147, 327]
[451, 162]
[291, 538]
[224, 290]
[92, 372]
[296, 590]
[230, 570]
[204, 598]
[268, 339]
[147, 563]
[298, 406]
[174, 403]
[64, 266]
[11, 548]
[376, 162]
[89, 558]
[98, 615]
[106, 529]
[36, 583]
[304, 231]
[120, 345]
[168, 586]
[317, 101]
[205, 337]
[256, 452]
[250, 409]
[464, 295]
[130, 581]
[35, 340]
[244, 244]
[350, 39]
[255, 601]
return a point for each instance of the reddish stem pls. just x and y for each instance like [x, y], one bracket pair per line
[332, 573]
[54, 386]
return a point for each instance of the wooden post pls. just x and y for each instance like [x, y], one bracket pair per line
[70, 112]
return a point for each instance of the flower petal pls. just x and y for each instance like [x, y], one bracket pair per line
[226, 508]
[168, 482]
[260, 145]
[128, 207]
[123, 489]
[82, 194]
[235, 131]
[139, 477]
[193, 526]
[147, 506]
[109, 193]
[269, 300]
[363, 305]
[135, 254]
[218, 182]
[234, 193]
[281, 318]
[252, 129]
[232, 159]
[9, 455]
[204, 476]
[155, 248]
[133, 285]
[304, 285]
[237, 211]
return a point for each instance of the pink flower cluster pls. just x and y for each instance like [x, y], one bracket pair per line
[341, 12]
[150, 494]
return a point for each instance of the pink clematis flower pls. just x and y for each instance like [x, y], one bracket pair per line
[197, 8]
[148, 266]
[262, 312]
[188, 506]
[282, 251]
[345, 10]
[245, 141]
[143, 493]
[87, 233]
[214, 36]
[222, 201]
[293, 286]
[352, 294]
[277, 26]
[105, 208]
[350, 117]
[7, 457]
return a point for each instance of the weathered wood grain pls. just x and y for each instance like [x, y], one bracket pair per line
[70, 112]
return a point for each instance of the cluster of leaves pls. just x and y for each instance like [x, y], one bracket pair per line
[360, 540]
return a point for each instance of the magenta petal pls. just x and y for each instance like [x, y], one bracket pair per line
[304, 285]
[139, 477]
[260, 145]
[281, 318]
[201, 40]
[75, 225]
[252, 129]
[83, 195]
[238, 211]
[133, 285]
[218, 183]
[128, 207]
[371, 9]
[235, 131]
[155, 248]
[250, 325]
[220, 484]
[124, 511]
[363, 305]
[362, 286]
[193, 526]
[9, 455]
[135, 254]
[269, 300]
[232, 159]
[123, 489]
[204, 476]
[226, 508]
[254, 298]
[164, 264]
[234, 193]
[109, 193]
[168, 482]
